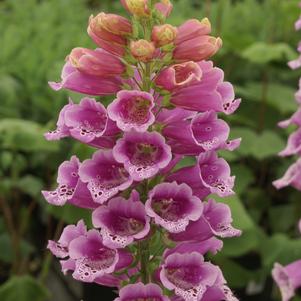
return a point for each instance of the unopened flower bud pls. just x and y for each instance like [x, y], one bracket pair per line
[164, 7]
[138, 8]
[164, 34]
[142, 50]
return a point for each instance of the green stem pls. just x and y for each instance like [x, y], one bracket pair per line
[144, 260]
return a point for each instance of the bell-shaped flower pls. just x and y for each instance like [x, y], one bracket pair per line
[122, 221]
[132, 110]
[288, 278]
[193, 42]
[110, 32]
[96, 62]
[188, 275]
[173, 206]
[210, 93]
[143, 154]
[179, 75]
[208, 131]
[215, 174]
[143, 292]
[89, 259]
[77, 81]
[87, 122]
[295, 119]
[292, 177]
[60, 248]
[293, 145]
[215, 221]
[104, 175]
[70, 188]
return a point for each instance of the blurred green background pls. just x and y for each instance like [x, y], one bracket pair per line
[36, 36]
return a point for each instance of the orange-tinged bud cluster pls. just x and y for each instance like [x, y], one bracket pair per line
[164, 34]
[142, 50]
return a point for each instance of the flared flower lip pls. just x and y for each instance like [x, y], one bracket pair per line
[147, 137]
[114, 108]
[170, 190]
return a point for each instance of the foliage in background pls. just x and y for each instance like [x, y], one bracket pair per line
[258, 41]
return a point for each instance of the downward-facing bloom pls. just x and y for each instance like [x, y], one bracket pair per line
[293, 145]
[215, 174]
[216, 220]
[143, 154]
[179, 75]
[61, 248]
[210, 93]
[295, 119]
[188, 275]
[132, 110]
[77, 81]
[110, 31]
[288, 278]
[96, 62]
[121, 221]
[292, 177]
[173, 206]
[104, 175]
[92, 259]
[70, 188]
[87, 122]
[193, 42]
[140, 291]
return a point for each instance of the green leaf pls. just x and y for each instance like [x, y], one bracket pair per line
[23, 288]
[24, 135]
[260, 146]
[30, 185]
[263, 53]
[70, 214]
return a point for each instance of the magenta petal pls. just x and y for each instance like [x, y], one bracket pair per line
[173, 206]
[132, 110]
[121, 222]
[288, 278]
[77, 81]
[143, 154]
[293, 145]
[139, 291]
[104, 176]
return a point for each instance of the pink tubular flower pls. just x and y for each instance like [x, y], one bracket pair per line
[87, 122]
[210, 93]
[93, 259]
[104, 175]
[288, 278]
[132, 110]
[110, 32]
[70, 188]
[293, 145]
[96, 62]
[193, 42]
[60, 248]
[295, 119]
[143, 154]
[215, 174]
[292, 177]
[188, 275]
[77, 81]
[179, 75]
[121, 221]
[139, 291]
[173, 206]
[216, 220]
